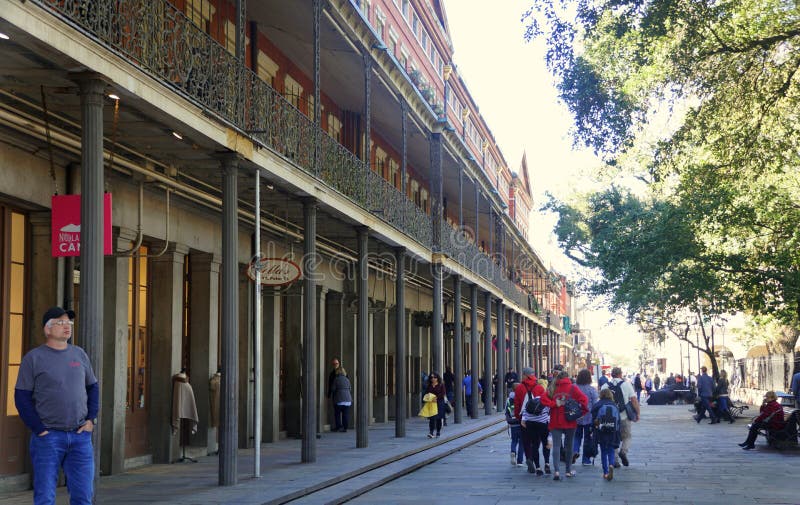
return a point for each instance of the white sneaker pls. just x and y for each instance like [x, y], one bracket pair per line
[513, 458]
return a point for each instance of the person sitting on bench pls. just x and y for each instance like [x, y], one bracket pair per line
[771, 418]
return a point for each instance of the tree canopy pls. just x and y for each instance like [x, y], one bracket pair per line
[706, 93]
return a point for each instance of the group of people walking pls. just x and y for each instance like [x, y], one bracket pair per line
[560, 416]
[713, 397]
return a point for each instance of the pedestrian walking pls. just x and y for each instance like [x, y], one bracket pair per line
[335, 364]
[705, 390]
[342, 400]
[606, 420]
[723, 400]
[657, 382]
[559, 393]
[449, 383]
[583, 431]
[602, 380]
[435, 387]
[450, 386]
[511, 378]
[637, 387]
[534, 418]
[629, 412]
[796, 387]
[515, 429]
[58, 398]
[468, 396]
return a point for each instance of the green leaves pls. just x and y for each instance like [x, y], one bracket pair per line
[701, 98]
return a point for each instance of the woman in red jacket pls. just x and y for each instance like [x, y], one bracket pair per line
[770, 407]
[559, 391]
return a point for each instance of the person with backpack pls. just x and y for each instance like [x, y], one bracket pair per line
[534, 417]
[628, 406]
[567, 403]
[517, 451]
[606, 420]
[583, 432]
[637, 386]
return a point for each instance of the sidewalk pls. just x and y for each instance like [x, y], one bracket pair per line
[282, 474]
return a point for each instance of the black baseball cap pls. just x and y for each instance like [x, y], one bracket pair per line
[56, 312]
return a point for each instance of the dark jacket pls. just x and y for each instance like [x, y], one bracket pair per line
[705, 386]
[340, 392]
[564, 389]
[722, 387]
[441, 395]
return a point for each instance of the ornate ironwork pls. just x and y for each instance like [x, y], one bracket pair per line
[158, 37]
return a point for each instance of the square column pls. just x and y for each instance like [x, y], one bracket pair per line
[114, 388]
[271, 367]
[203, 343]
[166, 342]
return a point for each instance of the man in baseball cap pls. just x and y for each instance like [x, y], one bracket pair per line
[58, 398]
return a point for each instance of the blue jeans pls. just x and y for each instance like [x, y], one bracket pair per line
[581, 432]
[70, 450]
[723, 406]
[516, 442]
[341, 416]
[706, 401]
[607, 456]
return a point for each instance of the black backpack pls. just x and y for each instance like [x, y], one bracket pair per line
[622, 403]
[607, 419]
[618, 398]
[533, 406]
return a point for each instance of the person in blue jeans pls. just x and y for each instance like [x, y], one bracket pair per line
[796, 386]
[517, 451]
[705, 390]
[58, 398]
[584, 429]
[608, 439]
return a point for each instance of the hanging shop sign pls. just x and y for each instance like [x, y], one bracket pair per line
[274, 271]
[66, 225]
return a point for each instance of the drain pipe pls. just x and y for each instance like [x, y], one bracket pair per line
[138, 242]
[166, 236]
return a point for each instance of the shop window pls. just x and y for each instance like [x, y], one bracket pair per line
[16, 293]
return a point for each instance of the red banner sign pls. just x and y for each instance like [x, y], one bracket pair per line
[66, 225]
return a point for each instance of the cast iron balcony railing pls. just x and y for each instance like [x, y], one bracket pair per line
[159, 38]
[463, 250]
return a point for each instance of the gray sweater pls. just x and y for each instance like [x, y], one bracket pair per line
[341, 390]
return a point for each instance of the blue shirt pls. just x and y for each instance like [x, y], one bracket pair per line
[467, 382]
[796, 385]
[705, 386]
